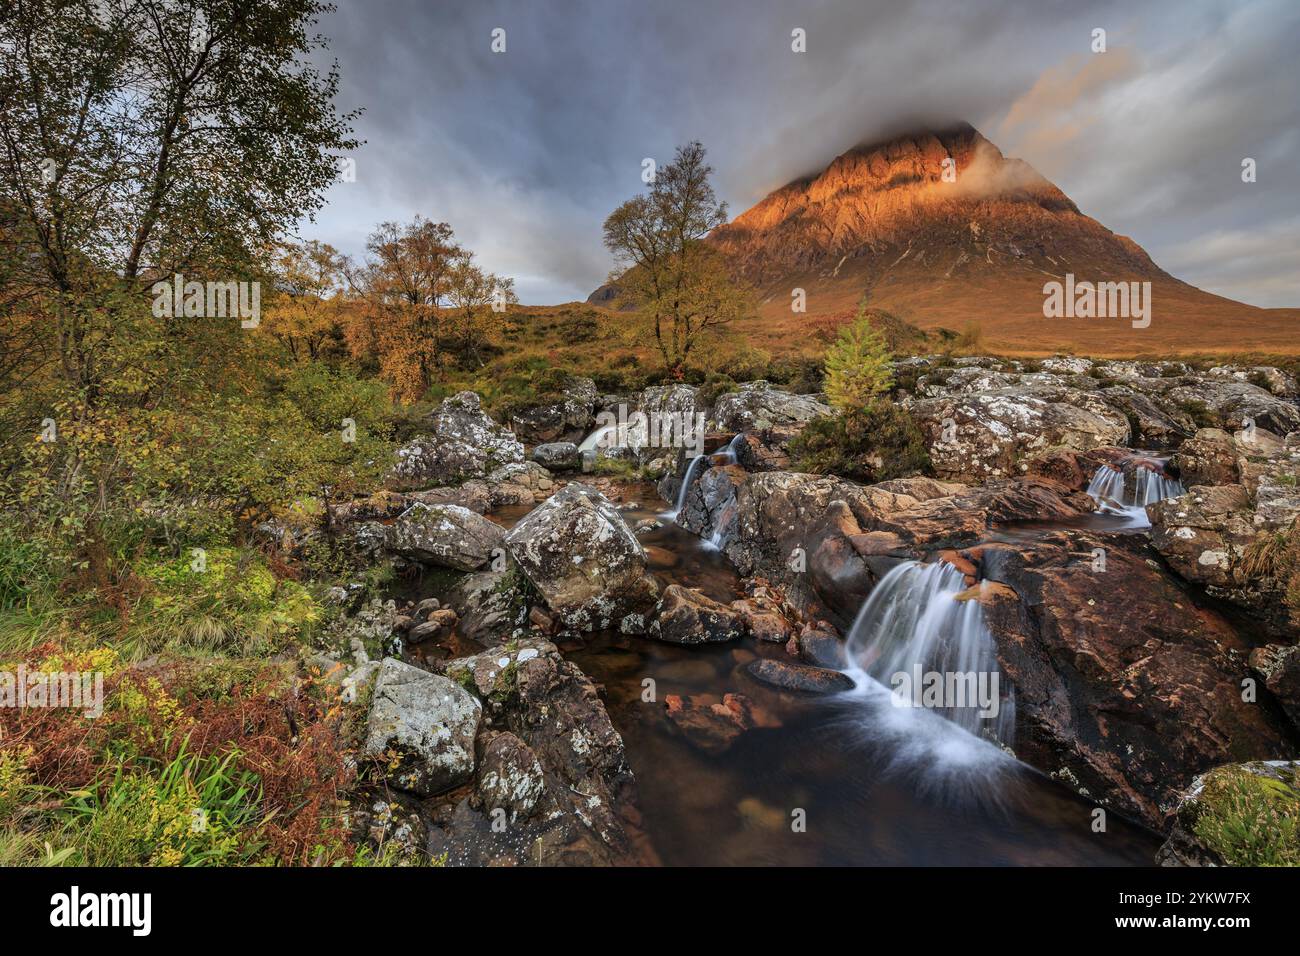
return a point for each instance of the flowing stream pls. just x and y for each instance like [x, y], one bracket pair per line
[877, 783]
[1128, 486]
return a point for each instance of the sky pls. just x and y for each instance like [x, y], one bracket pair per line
[525, 152]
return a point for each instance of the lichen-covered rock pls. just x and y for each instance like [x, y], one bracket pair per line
[447, 536]
[565, 418]
[978, 436]
[510, 778]
[461, 442]
[685, 616]
[757, 406]
[490, 605]
[1210, 457]
[518, 484]
[421, 729]
[582, 558]
[585, 813]
[558, 456]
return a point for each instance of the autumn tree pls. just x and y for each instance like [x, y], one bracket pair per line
[304, 316]
[139, 140]
[405, 282]
[682, 284]
[479, 300]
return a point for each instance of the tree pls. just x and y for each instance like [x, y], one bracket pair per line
[682, 285]
[138, 139]
[857, 366]
[305, 314]
[405, 282]
[478, 300]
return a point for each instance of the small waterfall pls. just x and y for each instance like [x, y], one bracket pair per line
[1128, 486]
[598, 438]
[915, 636]
[691, 469]
[728, 454]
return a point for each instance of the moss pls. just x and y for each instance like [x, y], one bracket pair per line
[1248, 814]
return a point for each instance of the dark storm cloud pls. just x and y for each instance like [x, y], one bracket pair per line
[526, 152]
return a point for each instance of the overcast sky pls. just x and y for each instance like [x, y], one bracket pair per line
[526, 152]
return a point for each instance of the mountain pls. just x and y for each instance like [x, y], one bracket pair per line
[975, 248]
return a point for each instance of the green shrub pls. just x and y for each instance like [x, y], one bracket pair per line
[1249, 819]
[868, 445]
[192, 811]
[857, 366]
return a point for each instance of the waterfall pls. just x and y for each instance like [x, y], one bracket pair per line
[1115, 494]
[597, 439]
[728, 454]
[932, 649]
[691, 469]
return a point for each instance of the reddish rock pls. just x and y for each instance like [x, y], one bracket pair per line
[1121, 681]
[799, 677]
[685, 616]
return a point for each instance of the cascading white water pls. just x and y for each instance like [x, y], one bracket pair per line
[595, 439]
[728, 454]
[912, 631]
[1115, 494]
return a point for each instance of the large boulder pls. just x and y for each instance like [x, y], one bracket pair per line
[670, 414]
[758, 406]
[553, 763]
[460, 442]
[421, 729]
[585, 562]
[978, 436]
[1228, 538]
[1234, 405]
[566, 417]
[1123, 686]
[447, 536]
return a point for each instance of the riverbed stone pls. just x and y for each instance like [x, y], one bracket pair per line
[448, 536]
[421, 729]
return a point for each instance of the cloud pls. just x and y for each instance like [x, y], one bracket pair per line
[526, 152]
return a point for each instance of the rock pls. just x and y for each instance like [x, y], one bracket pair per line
[1233, 405]
[566, 418]
[710, 724]
[558, 456]
[421, 729]
[551, 759]
[1278, 666]
[983, 435]
[799, 677]
[448, 536]
[1207, 823]
[668, 409]
[1267, 377]
[758, 406]
[383, 820]
[1221, 537]
[762, 620]
[519, 484]
[489, 604]
[1210, 457]
[583, 559]
[510, 778]
[1122, 684]
[685, 616]
[461, 442]
[438, 626]
[821, 646]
